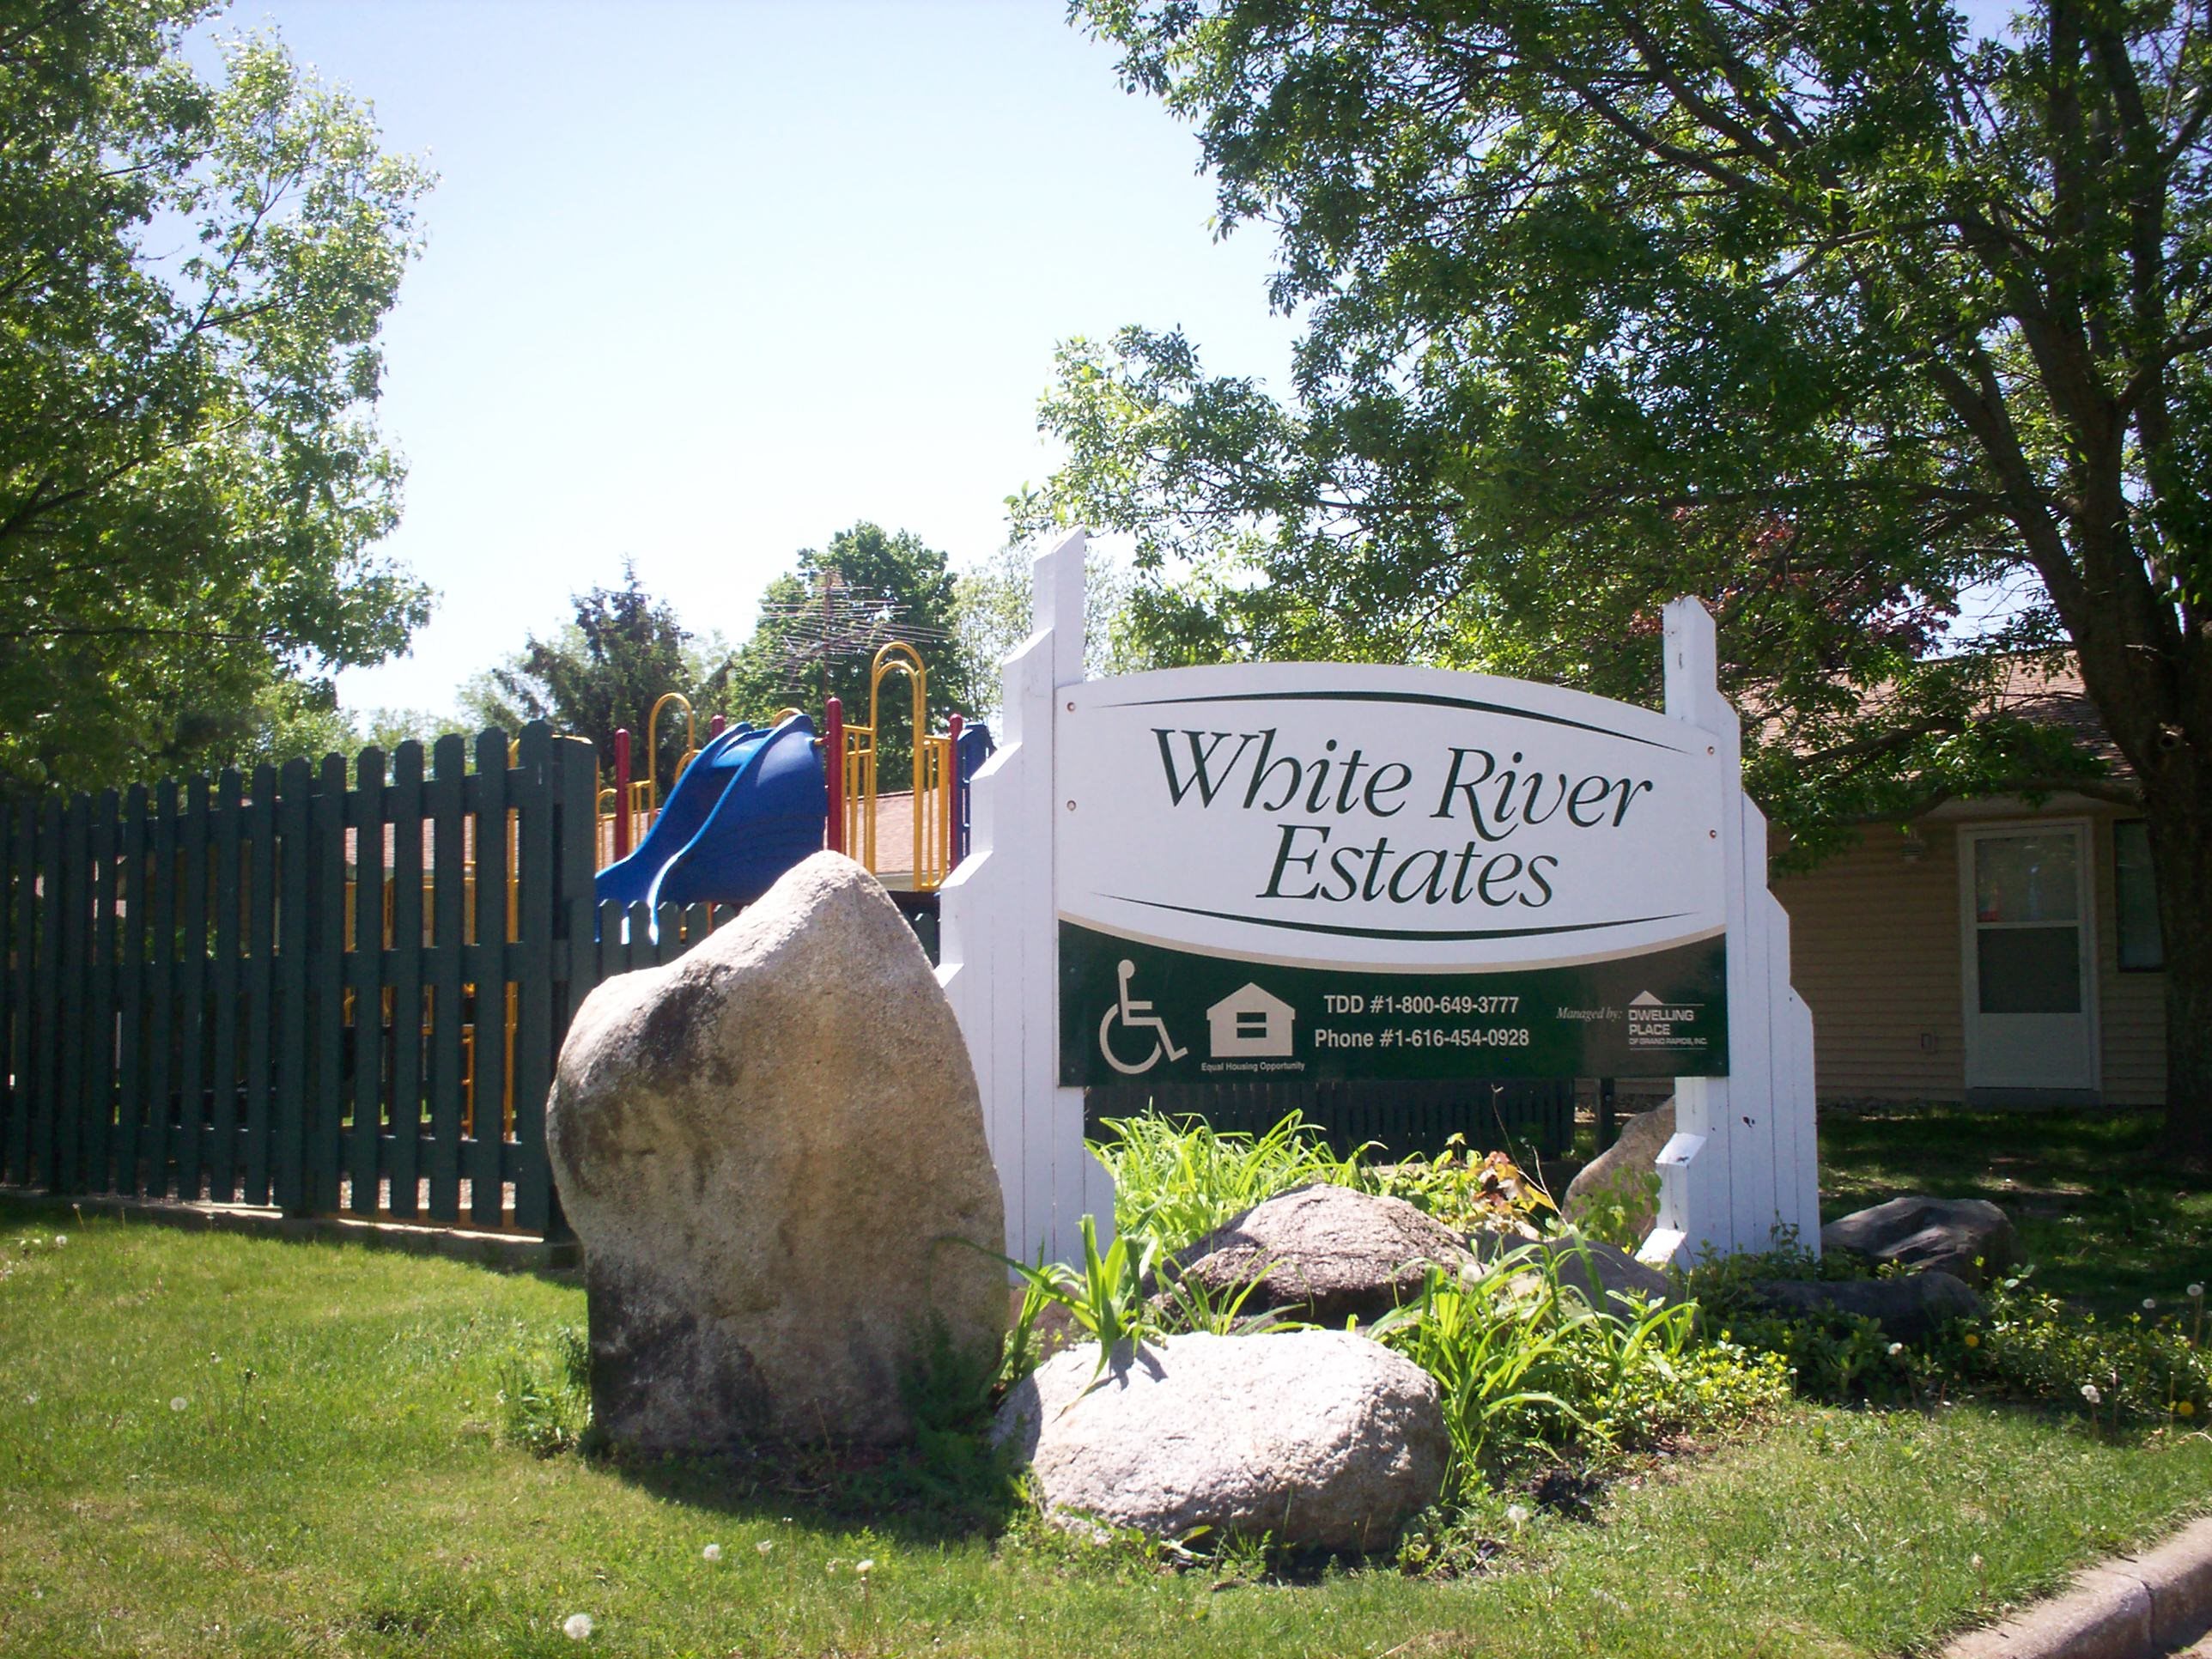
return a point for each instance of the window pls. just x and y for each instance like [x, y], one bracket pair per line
[2142, 950]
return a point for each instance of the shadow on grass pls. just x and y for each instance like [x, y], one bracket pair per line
[2107, 1219]
[949, 1486]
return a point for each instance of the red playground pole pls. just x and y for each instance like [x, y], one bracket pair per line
[952, 795]
[715, 727]
[621, 792]
[833, 770]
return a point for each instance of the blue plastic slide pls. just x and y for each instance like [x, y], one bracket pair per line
[750, 806]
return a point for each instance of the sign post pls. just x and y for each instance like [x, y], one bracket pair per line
[1348, 871]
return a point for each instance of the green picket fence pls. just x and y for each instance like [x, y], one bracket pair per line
[331, 990]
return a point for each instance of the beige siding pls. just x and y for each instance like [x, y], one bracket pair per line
[1874, 950]
[1875, 953]
[2130, 1007]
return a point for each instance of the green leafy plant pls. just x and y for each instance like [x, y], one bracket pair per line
[1178, 1178]
[2146, 1366]
[1620, 1212]
[1529, 1366]
[545, 1393]
[1105, 1297]
[1467, 1193]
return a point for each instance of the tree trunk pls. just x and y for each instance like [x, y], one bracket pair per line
[2181, 858]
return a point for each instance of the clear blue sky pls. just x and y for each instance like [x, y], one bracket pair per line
[707, 283]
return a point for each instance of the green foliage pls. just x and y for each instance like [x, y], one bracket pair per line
[1467, 1194]
[1177, 1179]
[1104, 1297]
[190, 482]
[1528, 1367]
[604, 672]
[991, 613]
[2144, 1366]
[793, 660]
[1620, 1211]
[1831, 316]
[544, 1393]
[2149, 1366]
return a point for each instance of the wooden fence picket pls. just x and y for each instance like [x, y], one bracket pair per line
[326, 963]
[259, 971]
[192, 966]
[289, 1111]
[364, 814]
[487, 974]
[222, 991]
[72, 868]
[405, 1103]
[448, 975]
[100, 992]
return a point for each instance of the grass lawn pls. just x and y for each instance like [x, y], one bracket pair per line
[2104, 1219]
[211, 1444]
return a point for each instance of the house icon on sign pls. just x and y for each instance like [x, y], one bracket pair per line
[1251, 1024]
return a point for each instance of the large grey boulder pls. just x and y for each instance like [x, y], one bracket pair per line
[773, 1152]
[1324, 1253]
[1319, 1438]
[1970, 1238]
[1626, 1166]
[1910, 1309]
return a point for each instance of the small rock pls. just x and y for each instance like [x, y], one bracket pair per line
[1910, 1309]
[1627, 1165]
[1315, 1438]
[1970, 1238]
[735, 1138]
[1325, 1253]
[1606, 1275]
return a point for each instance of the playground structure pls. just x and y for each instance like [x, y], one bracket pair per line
[740, 810]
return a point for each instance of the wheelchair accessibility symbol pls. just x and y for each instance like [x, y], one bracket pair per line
[1135, 1017]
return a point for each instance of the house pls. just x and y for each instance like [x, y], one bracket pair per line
[1992, 951]
[1251, 1024]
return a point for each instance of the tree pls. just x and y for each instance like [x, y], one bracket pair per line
[603, 672]
[822, 624]
[192, 279]
[1822, 309]
[991, 610]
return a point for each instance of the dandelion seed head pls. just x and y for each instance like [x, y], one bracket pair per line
[2195, 1292]
[2091, 1392]
[765, 1545]
[60, 1239]
[864, 1568]
[1517, 1513]
[712, 1553]
[177, 1404]
[1895, 1349]
[576, 1627]
[2150, 1302]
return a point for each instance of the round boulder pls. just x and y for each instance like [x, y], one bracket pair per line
[1313, 1438]
[1626, 1167]
[1325, 1253]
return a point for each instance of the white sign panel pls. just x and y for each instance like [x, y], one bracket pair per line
[1399, 820]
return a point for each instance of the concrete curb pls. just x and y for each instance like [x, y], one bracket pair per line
[513, 1252]
[2130, 1607]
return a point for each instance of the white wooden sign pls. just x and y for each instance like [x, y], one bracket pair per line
[1355, 871]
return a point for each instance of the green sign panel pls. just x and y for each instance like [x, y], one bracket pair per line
[1130, 1009]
